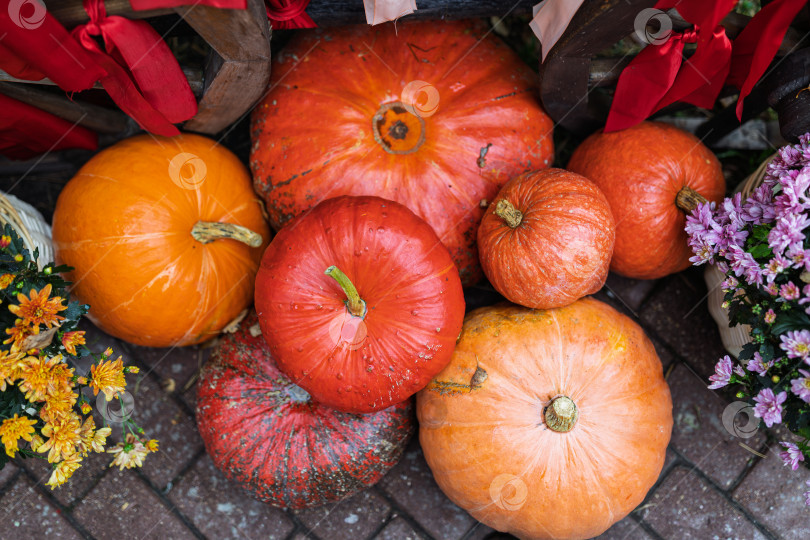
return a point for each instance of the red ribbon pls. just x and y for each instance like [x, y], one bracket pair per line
[26, 131]
[139, 5]
[288, 14]
[135, 51]
[658, 76]
[757, 44]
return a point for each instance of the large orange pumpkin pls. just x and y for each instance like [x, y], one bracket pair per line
[547, 424]
[653, 174]
[165, 236]
[546, 240]
[436, 116]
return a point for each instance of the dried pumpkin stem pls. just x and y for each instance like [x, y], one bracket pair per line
[208, 231]
[356, 305]
[688, 199]
[507, 212]
[561, 414]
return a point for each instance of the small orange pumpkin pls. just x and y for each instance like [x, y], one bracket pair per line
[547, 238]
[653, 175]
[165, 236]
[547, 424]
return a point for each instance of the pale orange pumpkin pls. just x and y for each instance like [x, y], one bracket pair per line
[547, 424]
[165, 236]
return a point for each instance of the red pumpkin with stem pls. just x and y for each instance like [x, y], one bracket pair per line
[435, 115]
[269, 436]
[546, 240]
[653, 175]
[360, 303]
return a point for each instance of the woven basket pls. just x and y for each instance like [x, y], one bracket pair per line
[29, 224]
[735, 337]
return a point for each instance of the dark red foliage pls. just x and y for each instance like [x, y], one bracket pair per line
[266, 433]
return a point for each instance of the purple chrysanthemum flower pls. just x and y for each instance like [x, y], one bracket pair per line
[738, 370]
[770, 316]
[722, 373]
[769, 406]
[774, 267]
[801, 386]
[792, 455]
[704, 252]
[758, 366]
[722, 266]
[789, 291]
[730, 212]
[743, 263]
[730, 283]
[788, 232]
[796, 343]
[700, 223]
[793, 198]
[772, 289]
[758, 209]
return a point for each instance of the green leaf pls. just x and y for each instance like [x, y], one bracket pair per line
[760, 251]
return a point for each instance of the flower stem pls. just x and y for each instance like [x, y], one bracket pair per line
[356, 305]
[507, 212]
[208, 231]
[688, 199]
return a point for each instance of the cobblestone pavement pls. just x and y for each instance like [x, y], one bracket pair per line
[713, 485]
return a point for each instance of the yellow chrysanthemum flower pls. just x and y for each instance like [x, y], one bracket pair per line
[13, 429]
[130, 454]
[6, 280]
[85, 407]
[108, 377]
[10, 365]
[152, 445]
[36, 442]
[38, 308]
[58, 402]
[18, 333]
[43, 376]
[92, 438]
[71, 339]
[63, 437]
[64, 470]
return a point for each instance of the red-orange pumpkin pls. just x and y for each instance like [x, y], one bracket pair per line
[436, 116]
[269, 436]
[547, 424]
[546, 240]
[359, 302]
[165, 236]
[652, 174]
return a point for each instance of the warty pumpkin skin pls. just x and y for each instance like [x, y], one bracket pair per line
[269, 436]
[652, 174]
[365, 354]
[139, 224]
[492, 423]
[435, 115]
[547, 238]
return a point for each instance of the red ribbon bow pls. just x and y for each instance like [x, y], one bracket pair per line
[658, 76]
[135, 53]
[287, 14]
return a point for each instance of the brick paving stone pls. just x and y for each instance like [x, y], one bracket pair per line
[163, 419]
[685, 507]
[356, 517]
[83, 479]
[632, 292]
[173, 366]
[773, 494]
[122, 506]
[678, 314]
[479, 531]
[626, 529]
[410, 483]
[398, 529]
[698, 432]
[7, 473]
[221, 509]
[27, 514]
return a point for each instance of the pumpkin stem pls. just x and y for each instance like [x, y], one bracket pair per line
[561, 414]
[688, 199]
[356, 305]
[507, 212]
[208, 231]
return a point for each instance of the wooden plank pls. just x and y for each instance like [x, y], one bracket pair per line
[90, 116]
[238, 71]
